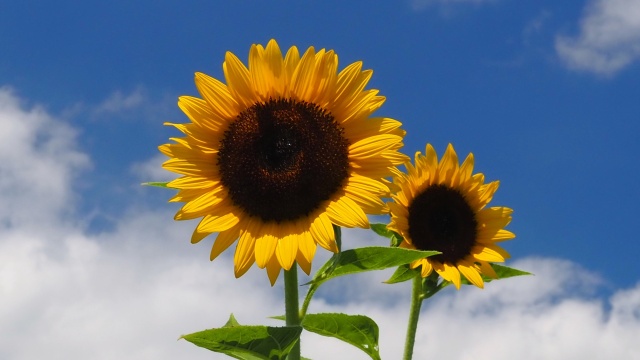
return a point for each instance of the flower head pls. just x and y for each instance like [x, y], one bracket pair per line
[442, 206]
[281, 152]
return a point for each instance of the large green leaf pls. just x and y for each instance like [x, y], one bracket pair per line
[248, 342]
[368, 259]
[357, 330]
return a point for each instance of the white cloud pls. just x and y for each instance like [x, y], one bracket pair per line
[609, 38]
[129, 293]
[38, 162]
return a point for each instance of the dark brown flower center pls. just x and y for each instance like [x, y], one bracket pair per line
[441, 219]
[280, 160]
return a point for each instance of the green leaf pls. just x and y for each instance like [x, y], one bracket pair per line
[156, 184]
[402, 274]
[357, 330]
[382, 230]
[367, 259]
[248, 342]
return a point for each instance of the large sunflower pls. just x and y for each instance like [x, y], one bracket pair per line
[279, 153]
[441, 206]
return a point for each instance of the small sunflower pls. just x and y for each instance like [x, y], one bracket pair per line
[283, 150]
[441, 206]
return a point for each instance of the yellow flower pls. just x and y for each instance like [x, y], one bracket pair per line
[279, 153]
[441, 206]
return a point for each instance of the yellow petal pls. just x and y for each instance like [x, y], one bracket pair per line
[449, 273]
[217, 96]
[306, 248]
[322, 232]
[192, 167]
[361, 107]
[486, 193]
[238, 80]
[469, 271]
[210, 224]
[200, 113]
[499, 250]
[448, 166]
[223, 241]
[466, 169]
[273, 269]
[326, 66]
[266, 244]
[291, 61]
[494, 218]
[503, 235]
[192, 182]
[304, 75]
[427, 268]
[366, 195]
[304, 264]
[488, 270]
[484, 253]
[287, 248]
[350, 83]
[373, 126]
[204, 202]
[345, 212]
[244, 256]
[374, 145]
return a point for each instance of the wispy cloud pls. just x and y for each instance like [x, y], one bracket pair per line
[119, 101]
[151, 170]
[608, 40]
[132, 291]
[536, 24]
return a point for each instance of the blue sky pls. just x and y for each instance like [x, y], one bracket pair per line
[543, 93]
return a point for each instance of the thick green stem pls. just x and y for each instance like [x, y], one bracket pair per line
[292, 312]
[414, 315]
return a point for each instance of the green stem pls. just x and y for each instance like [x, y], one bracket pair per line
[313, 287]
[292, 312]
[414, 315]
[307, 300]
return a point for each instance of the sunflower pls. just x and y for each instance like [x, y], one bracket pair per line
[441, 206]
[281, 152]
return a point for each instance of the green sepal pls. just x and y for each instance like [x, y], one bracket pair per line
[382, 230]
[364, 259]
[357, 330]
[502, 271]
[156, 184]
[403, 273]
[247, 342]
